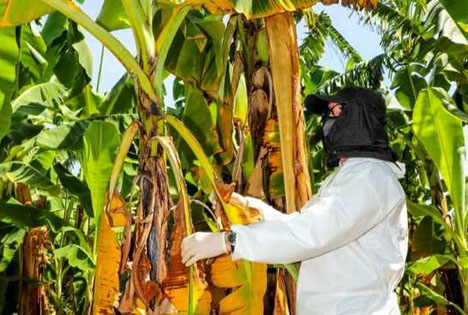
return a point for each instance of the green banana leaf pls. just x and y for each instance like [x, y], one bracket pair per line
[75, 187]
[113, 16]
[441, 133]
[76, 255]
[8, 59]
[31, 173]
[101, 141]
[458, 10]
[26, 217]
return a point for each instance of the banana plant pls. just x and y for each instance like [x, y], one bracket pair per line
[150, 269]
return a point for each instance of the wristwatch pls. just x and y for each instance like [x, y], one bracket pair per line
[231, 239]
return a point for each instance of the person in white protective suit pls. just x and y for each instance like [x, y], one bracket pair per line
[352, 236]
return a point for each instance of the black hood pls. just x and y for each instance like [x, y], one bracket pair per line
[359, 131]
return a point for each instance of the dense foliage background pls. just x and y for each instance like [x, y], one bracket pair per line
[67, 248]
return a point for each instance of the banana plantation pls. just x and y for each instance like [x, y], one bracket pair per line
[97, 190]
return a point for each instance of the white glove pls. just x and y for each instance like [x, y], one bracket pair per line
[238, 200]
[202, 245]
[249, 202]
[267, 212]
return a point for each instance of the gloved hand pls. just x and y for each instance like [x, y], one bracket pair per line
[202, 245]
[249, 202]
[267, 212]
[238, 200]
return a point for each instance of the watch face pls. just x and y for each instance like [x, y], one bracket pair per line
[232, 237]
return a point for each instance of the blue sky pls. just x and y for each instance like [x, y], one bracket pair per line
[363, 39]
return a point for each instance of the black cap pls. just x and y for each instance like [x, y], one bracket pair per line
[318, 104]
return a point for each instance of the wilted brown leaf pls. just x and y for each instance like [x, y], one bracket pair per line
[33, 297]
[176, 284]
[106, 282]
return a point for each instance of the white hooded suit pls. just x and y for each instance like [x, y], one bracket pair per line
[351, 238]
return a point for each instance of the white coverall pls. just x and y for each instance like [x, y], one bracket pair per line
[352, 239]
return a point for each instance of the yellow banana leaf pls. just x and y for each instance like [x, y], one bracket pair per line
[176, 284]
[118, 215]
[106, 282]
[258, 9]
[15, 12]
[281, 297]
[248, 281]
[235, 214]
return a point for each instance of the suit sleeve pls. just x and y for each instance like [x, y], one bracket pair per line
[354, 203]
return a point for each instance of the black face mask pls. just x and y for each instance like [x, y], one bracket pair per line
[328, 122]
[356, 132]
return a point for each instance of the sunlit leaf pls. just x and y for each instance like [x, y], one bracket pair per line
[63, 137]
[113, 16]
[442, 135]
[76, 256]
[101, 141]
[428, 264]
[15, 12]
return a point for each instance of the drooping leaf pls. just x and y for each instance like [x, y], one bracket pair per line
[437, 297]
[425, 241]
[76, 256]
[32, 52]
[9, 58]
[187, 289]
[120, 98]
[127, 140]
[75, 187]
[63, 137]
[197, 118]
[32, 174]
[87, 102]
[195, 146]
[440, 21]
[55, 25]
[203, 69]
[257, 9]
[101, 141]
[441, 133]
[421, 210]
[164, 41]
[458, 10]
[10, 244]
[428, 264]
[15, 12]
[113, 16]
[73, 67]
[408, 83]
[106, 279]
[35, 99]
[283, 42]
[85, 56]
[26, 217]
